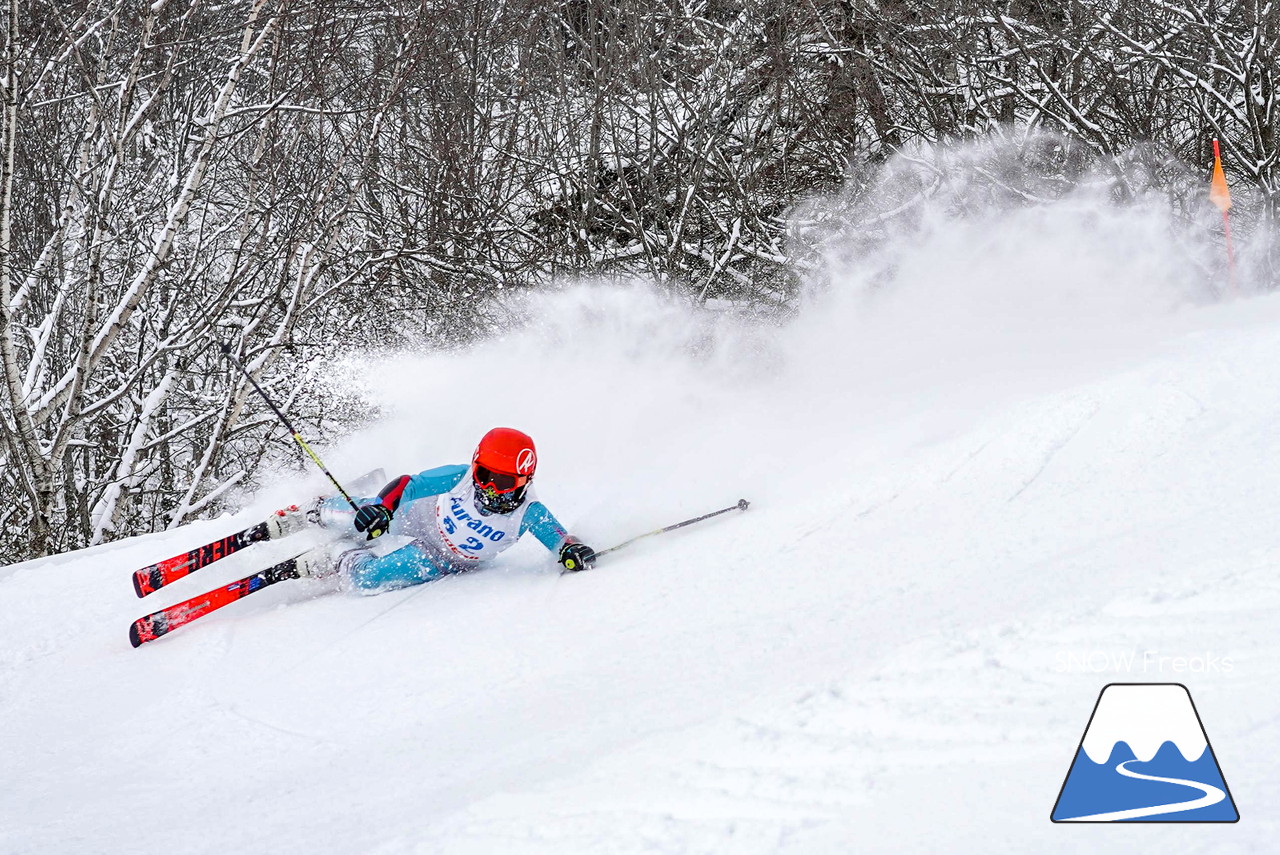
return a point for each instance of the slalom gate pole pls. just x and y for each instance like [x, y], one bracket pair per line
[742, 505]
[1220, 195]
[226, 351]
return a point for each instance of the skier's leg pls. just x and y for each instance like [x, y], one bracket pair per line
[374, 568]
[332, 512]
[409, 565]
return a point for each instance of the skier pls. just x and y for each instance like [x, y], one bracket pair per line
[458, 516]
[454, 517]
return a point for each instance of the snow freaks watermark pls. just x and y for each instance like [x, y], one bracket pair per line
[1140, 662]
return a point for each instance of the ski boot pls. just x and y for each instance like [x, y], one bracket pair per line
[291, 520]
[323, 561]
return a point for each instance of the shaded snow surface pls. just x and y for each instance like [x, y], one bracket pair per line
[977, 496]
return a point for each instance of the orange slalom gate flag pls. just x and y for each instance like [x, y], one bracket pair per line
[1218, 192]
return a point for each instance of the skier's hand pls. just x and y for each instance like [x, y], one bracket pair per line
[373, 518]
[576, 556]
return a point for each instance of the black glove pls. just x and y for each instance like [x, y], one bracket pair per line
[576, 556]
[373, 518]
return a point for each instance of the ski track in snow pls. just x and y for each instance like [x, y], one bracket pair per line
[1210, 795]
[896, 677]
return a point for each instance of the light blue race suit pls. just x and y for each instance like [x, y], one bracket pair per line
[450, 532]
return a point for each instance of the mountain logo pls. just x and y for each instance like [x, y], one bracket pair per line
[1144, 757]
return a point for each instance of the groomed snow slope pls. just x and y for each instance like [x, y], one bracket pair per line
[971, 504]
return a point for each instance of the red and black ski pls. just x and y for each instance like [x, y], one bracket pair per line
[150, 579]
[160, 623]
[154, 577]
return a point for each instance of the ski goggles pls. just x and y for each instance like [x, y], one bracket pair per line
[499, 482]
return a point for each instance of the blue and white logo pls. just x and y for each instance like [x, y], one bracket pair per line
[1145, 757]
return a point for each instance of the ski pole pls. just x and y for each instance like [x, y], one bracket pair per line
[742, 505]
[226, 351]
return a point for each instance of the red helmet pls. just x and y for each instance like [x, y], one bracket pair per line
[502, 468]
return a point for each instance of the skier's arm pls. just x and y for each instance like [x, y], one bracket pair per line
[375, 512]
[432, 482]
[571, 552]
[544, 526]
